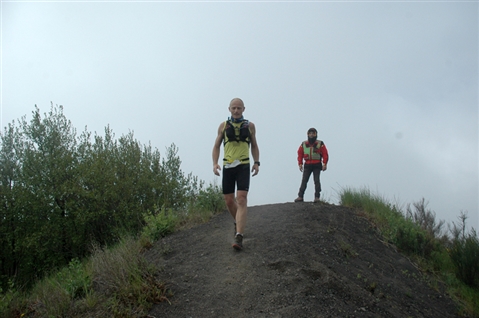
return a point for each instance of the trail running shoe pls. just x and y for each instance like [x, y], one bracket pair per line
[238, 244]
[298, 199]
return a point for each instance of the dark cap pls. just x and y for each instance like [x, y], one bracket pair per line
[312, 130]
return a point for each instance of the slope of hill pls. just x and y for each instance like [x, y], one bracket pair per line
[300, 260]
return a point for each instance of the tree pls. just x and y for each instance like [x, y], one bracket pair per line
[11, 191]
[61, 193]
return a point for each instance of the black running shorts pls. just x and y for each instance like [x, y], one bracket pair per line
[237, 176]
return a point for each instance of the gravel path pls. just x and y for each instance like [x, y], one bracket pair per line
[299, 260]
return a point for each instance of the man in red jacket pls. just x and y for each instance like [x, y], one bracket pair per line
[315, 156]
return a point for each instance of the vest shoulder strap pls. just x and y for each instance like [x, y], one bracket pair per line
[317, 145]
[229, 129]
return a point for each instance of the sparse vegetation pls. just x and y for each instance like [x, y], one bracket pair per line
[347, 249]
[453, 258]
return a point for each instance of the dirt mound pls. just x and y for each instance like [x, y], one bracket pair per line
[299, 260]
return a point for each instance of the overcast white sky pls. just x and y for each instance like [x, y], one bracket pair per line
[392, 87]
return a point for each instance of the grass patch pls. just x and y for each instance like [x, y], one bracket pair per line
[347, 249]
[453, 259]
[123, 276]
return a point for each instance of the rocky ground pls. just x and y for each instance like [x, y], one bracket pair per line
[299, 260]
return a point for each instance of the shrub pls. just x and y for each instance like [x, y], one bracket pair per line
[418, 234]
[75, 279]
[11, 302]
[210, 199]
[126, 279]
[425, 218]
[464, 253]
[159, 223]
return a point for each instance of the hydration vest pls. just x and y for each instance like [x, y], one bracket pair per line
[313, 152]
[236, 132]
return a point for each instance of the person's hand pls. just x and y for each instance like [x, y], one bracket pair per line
[255, 169]
[216, 169]
[301, 168]
[325, 167]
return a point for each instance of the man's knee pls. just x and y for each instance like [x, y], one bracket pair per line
[241, 201]
[241, 198]
[229, 199]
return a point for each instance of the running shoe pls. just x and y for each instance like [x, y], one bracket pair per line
[238, 244]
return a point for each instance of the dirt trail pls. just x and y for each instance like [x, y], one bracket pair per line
[299, 260]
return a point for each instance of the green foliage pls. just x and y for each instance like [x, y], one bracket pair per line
[50, 299]
[10, 301]
[60, 192]
[113, 281]
[75, 279]
[53, 295]
[210, 199]
[413, 233]
[464, 253]
[126, 279]
[160, 223]
[411, 239]
[425, 218]
[417, 233]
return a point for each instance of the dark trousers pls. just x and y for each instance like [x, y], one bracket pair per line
[307, 170]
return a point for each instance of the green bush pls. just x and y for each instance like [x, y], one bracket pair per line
[465, 256]
[75, 279]
[60, 192]
[159, 223]
[418, 234]
[11, 302]
[411, 239]
[210, 199]
[123, 276]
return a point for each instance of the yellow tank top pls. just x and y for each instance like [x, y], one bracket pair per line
[235, 150]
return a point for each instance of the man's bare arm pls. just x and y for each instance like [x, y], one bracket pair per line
[216, 150]
[254, 149]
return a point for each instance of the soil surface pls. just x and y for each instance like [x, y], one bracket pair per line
[299, 260]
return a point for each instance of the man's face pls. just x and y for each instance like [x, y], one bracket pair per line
[311, 134]
[236, 108]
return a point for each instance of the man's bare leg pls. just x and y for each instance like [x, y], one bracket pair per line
[231, 204]
[241, 210]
